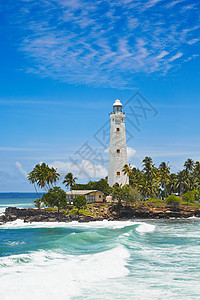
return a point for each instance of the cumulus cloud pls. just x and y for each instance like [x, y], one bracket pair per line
[83, 170]
[20, 169]
[130, 153]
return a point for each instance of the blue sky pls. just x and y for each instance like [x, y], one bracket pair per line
[63, 63]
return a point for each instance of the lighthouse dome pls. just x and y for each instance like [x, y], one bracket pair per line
[117, 103]
[117, 107]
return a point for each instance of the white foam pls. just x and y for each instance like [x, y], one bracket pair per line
[51, 275]
[145, 228]
[17, 224]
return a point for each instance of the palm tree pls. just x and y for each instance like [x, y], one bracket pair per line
[33, 179]
[127, 170]
[189, 165]
[148, 167]
[171, 185]
[70, 180]
[43, 176]
[164, 172]
[182, 181]
[197, 168]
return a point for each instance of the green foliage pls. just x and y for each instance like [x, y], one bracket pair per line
[188, 197]
[43, 176]
[70, 180]
[126, 193]
[196, 195]
[101, 185]
[55, 197]
[38, 203]
[79, 202]
[173, 201]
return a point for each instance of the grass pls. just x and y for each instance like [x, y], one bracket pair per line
[190, 203]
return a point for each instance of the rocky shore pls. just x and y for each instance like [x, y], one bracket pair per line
[110, 212]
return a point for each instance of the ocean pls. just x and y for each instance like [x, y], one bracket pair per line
[135, 259]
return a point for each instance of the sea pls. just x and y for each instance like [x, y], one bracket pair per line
[133, 259]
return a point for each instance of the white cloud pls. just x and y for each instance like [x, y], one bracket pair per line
[194, 41]
[20, 168]
[162, 54]
[83, 170]
[178, 55]
[76, 43]
[130, 153]
[171, 4]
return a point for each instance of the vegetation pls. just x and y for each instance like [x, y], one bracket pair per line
[38, 203]
[101, 185]
[70, 180]
[79, 203]
[173, 201]
[188, 197]
[43, 177]
[153, 182]
[55, 197]
[150, 184]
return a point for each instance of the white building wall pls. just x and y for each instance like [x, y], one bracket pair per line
[117, 141]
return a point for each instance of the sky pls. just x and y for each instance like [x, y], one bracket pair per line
[64, 62]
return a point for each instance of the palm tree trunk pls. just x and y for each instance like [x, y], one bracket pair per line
[36, 190]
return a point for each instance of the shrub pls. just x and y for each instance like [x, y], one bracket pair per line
[188, 197]
[55, 197]
[79, 202]
[173, 201]
[196, 195]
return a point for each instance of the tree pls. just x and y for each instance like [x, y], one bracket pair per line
[70, 180]
[38, 203]
[148, 167]
[130, 194]
[32, 178]
[189, 165]
[43, 176]
[79, 202]
[182, 181]
[55, 197]
[164, 172]
[188, 197]
[127, 170]
[173, 201]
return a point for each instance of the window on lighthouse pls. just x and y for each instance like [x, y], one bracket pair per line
[118, 173]
[118, 150]
[117, 129]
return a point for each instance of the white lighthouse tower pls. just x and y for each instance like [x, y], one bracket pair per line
[117, 150]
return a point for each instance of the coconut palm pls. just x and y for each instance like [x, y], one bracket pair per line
[148, 167]
[182, 181]
[127, 170]
[33, 179]
[189, 165]
[164, 172]
[43, 176]
[171, 185]
[70, 180]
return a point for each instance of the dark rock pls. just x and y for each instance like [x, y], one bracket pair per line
[74, 217]
[85, 219]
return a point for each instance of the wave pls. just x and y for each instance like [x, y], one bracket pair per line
[53, 275]
[18, 224]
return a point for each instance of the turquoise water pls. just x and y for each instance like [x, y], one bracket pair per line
[148, 259]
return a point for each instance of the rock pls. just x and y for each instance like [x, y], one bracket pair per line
[85, 219]
[74, 217]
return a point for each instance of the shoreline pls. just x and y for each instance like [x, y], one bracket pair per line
[29, 215]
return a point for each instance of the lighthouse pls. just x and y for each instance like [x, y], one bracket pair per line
[118, 149]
